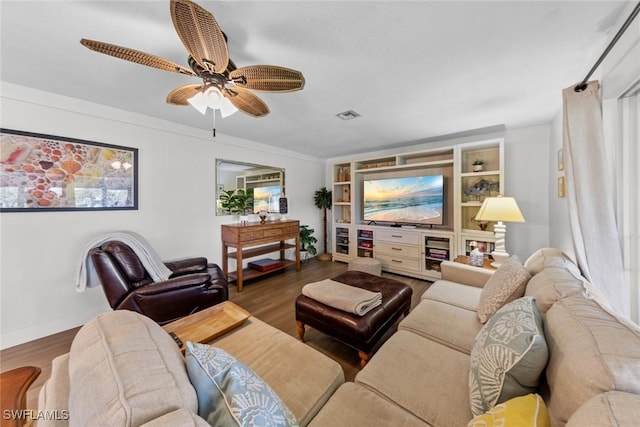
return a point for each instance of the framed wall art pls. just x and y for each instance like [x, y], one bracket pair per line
[41, 173]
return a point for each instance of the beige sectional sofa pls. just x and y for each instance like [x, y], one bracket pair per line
[420, 376]
[124, 370]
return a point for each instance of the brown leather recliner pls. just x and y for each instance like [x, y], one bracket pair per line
[193, 285]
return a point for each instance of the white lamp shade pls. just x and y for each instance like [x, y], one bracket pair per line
[199, 102]
[500, 209]
[227, 108]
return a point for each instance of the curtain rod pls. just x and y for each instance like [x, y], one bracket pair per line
[583, 85]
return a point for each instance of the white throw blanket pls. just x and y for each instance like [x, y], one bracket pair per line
[151, 261]
[343, 297]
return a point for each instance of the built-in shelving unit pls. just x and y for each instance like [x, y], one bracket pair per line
[475, 186]
[420, 250]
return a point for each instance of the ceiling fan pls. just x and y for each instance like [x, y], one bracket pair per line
[224, 86]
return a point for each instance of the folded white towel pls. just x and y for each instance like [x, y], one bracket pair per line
[343, 297]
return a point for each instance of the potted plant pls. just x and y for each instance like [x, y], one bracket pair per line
[227, 201]
[478, 165]
[307, 240]
[239, 202]
[323, 199]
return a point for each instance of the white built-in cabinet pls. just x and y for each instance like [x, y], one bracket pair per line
[418, 251]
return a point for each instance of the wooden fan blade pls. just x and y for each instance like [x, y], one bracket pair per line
[247, 102]
[268, 78]
[201, 35]
[180, 95]
[136, 56]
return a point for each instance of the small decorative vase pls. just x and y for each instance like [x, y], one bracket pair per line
[263, 217]
[477, 168]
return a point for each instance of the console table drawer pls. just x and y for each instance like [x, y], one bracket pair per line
[395, 249]
[399, 236]
[249, 235]
[273, 232]
[398, 262]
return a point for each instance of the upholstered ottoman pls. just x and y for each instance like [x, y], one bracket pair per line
[368, 265]
[364, 333]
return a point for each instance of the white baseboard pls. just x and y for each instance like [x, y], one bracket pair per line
[21, 336]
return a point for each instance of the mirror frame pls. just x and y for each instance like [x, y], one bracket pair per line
[263, 174]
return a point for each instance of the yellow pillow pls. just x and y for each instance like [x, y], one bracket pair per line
[523, 411]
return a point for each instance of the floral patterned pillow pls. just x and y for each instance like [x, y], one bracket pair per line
[508, 356]
[507, 284]
[230, 393]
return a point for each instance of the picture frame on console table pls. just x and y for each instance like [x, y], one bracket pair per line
[43, 173]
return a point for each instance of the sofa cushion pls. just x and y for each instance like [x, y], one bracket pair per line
[508, 356]
[592, 351]
[613, 408]
[447, 324]
[551, 285]
[55, 393]
[421, 376]
[354, 405]
[125, 370]
[453, 293]
[230, 393]
[522, 411]
[301, 376]
[507, 284]
[179, 418]
[550, 257]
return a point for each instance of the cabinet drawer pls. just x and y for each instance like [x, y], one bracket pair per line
[398, 262]
[273, 232]
[398, 236]
[398, 250]
[249, 235]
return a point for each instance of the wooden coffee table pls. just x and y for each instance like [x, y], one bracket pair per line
[209, 323]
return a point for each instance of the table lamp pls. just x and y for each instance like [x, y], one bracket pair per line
[499, 209]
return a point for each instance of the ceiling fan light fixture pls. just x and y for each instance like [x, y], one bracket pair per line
[214, 99]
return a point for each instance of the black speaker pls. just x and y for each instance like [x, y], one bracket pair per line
[284, 208]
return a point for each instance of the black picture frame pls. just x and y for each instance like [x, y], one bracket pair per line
[48, 173]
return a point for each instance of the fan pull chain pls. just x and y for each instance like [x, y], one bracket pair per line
[214, 122]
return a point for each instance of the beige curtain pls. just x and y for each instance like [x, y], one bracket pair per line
[590, 196]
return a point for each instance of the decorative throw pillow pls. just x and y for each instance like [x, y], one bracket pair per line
[523, 411]
[508, 355]
[507, 284]
[230, 393]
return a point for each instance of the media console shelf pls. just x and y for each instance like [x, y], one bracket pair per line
[419, 251]
[255, 239]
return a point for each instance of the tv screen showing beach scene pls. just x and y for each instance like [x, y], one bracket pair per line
[266, 199]
[412, 200]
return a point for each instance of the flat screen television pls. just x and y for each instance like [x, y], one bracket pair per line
[412, 200]
[266, 199]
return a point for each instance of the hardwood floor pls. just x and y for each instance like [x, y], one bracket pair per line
[269, 298]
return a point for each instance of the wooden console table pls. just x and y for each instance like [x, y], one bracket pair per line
[258, 237]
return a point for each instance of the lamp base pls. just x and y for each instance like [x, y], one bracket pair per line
[499, 258]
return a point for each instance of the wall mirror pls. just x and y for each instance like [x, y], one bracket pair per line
[265, 183]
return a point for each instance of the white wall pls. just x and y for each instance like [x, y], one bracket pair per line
[40, 251]
[560, 232]
[526, 179]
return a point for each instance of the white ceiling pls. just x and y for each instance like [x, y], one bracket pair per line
[414, 70]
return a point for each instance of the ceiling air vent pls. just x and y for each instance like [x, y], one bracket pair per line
[348, 115]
